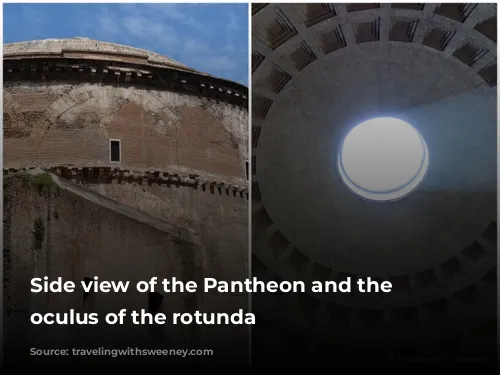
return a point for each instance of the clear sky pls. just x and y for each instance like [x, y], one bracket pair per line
[212, 38]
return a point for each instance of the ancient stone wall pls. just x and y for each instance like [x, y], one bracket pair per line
[64, 230]
[183, 157]
[183, 161]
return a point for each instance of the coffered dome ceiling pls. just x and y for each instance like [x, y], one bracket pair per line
[320, 69]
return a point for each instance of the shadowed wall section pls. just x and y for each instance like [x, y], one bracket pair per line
[56, 230]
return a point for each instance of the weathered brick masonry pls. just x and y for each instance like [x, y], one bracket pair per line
[183, 153]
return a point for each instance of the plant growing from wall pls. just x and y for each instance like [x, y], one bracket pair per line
[43, 182]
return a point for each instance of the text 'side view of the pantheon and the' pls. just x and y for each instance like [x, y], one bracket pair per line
[124, 164]
[374, 131]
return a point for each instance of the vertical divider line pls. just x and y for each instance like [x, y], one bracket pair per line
[1, 200]
[249, 187]
[498, 210]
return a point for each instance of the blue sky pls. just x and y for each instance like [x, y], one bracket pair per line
[212, 38]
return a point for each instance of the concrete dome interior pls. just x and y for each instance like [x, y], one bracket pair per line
[321, 69]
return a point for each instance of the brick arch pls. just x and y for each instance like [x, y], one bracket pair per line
[219, 112]
[6, 121]
[8, 98]
[226, 116]
[13, 112]
[81, 95]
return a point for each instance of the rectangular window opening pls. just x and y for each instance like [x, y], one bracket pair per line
[114, 150]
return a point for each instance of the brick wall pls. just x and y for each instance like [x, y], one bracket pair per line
[163, 132]
[59, 124]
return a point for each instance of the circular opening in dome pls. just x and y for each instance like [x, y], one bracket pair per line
[383, 159]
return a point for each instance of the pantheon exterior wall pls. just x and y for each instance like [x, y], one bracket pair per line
[182, 160]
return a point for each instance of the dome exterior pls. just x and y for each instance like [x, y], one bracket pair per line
[94, 49]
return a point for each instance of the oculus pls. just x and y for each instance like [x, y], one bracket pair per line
[383, 159]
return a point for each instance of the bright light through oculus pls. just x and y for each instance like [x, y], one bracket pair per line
[383, 159]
